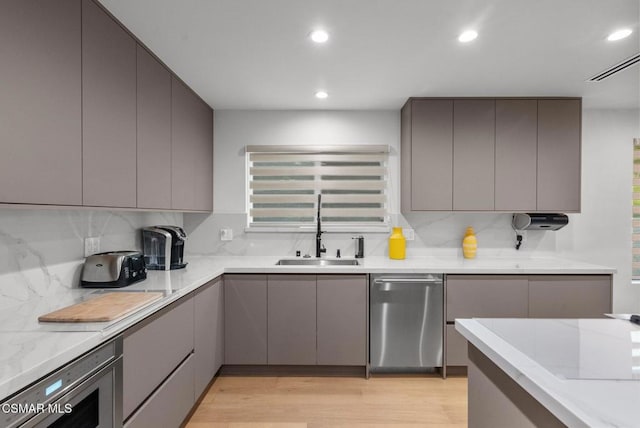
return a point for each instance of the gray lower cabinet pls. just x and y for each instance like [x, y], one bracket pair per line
[40, 102]
[245, 319]
[153, 132]
[521, 296]
[569, 296]
[342, 320]
[170, 404]
[208, 333]
[295, 320]
[108, 111]
[487, 296]
[291, 325]
[153, 349]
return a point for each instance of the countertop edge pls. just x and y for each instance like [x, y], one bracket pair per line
[508, 358]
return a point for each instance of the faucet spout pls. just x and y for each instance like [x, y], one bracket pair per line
[319, 247]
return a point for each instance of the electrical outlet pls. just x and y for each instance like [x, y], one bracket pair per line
[409, 234]
[91, 246]
[226, 234]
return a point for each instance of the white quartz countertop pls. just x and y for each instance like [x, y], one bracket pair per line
[41, 350]
[586, 372]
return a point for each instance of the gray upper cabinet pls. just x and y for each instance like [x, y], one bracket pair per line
[488, 154]
[342, 320]
[191, 150]
[516, 155]
[473, 155]
[559, 132]
[292, 319]
[108, 110]
[245, 319]
[153, 132]
[431, 160]
[40, 102]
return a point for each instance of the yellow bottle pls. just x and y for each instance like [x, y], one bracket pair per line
[469, 244]
[397, 244]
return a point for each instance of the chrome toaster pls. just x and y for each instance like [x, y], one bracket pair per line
[113, 269]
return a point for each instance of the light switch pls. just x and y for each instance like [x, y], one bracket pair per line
[226, 234]
[409, 234]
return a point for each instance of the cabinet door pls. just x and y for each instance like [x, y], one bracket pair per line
[191, 150]
[208, 322]
[245, 319]
[170, 404]
[559, 130]
[108, 111]
[152, 350]
[516, 155]
[457, 347]
[487, 296]
[218, 327]
[569, 296]
[40, 102]
[154, 132]
[473, 155]
[431, 155]
[292, 319]
[342, 320]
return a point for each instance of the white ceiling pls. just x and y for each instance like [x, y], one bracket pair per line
[255, 54]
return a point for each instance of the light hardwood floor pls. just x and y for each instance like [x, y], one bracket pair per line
[323, 402]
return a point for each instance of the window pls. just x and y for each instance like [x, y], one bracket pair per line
[284, 183]
[635, 238]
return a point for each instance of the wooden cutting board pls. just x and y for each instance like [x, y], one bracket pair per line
[107, 307]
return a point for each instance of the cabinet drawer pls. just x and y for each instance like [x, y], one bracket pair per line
[456, 347]
[488, 296]
[151, 352]
[569, 296]
[169, 404]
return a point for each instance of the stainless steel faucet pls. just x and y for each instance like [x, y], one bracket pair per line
[319, 247]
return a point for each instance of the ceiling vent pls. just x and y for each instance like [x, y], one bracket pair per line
[629, 62]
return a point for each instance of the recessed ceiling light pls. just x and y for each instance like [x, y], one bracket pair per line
[467, 36]
[620, 34]
[319, 36]
[322, 95]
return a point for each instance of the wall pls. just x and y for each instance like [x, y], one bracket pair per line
[600, 234]
[234, 130]
[41, 250]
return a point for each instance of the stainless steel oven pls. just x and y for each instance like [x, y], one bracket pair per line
[86, 393]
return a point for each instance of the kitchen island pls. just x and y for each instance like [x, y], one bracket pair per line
[553, 372]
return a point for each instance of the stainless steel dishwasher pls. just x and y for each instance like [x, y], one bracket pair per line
[406, 322]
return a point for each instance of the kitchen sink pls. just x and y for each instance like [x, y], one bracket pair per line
[318, 262]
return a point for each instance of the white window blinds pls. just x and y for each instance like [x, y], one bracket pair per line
[284, 182]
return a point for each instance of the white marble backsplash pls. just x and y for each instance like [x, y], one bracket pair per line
[41, 250]
[435, 234]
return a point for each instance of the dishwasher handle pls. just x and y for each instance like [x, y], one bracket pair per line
[409, 280]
